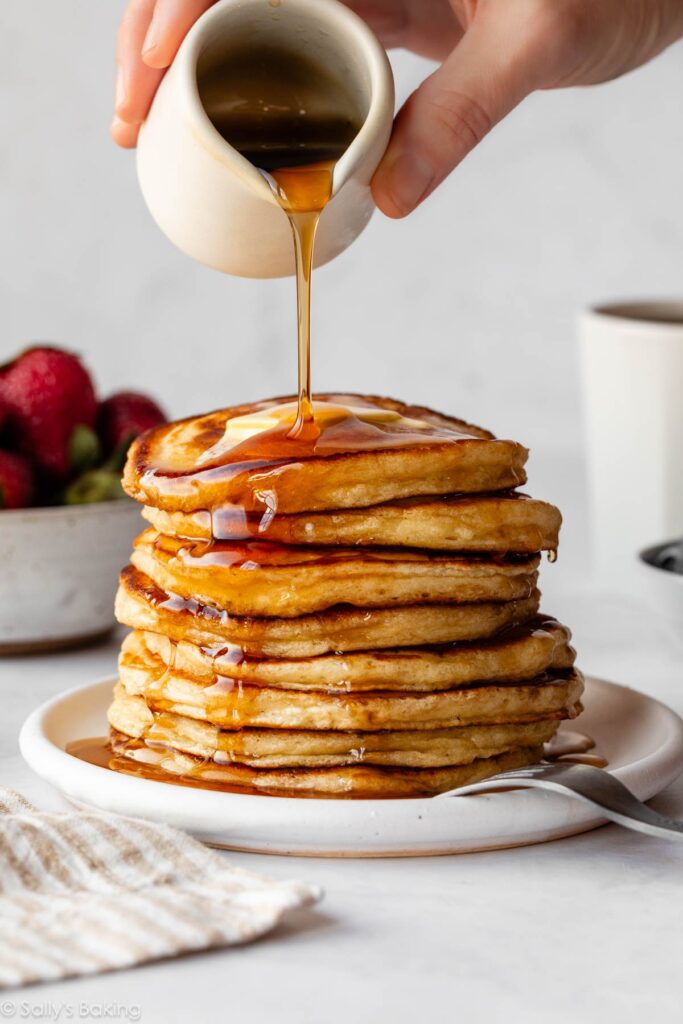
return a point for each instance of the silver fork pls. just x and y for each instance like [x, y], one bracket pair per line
[593, 786]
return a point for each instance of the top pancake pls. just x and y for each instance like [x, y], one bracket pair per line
[193, 465]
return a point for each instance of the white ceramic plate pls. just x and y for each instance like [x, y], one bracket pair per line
[642, 739]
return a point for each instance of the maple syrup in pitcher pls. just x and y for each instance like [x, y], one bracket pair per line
[293, 120]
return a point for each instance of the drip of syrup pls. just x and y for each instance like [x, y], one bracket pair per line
[111, 754]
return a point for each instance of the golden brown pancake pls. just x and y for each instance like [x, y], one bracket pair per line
[346, 610]
[519, 653]
[192, 465]
[256, 578]
[500, 523]
[234, 705]
[359, 781]
[287, 748]
[141, 604]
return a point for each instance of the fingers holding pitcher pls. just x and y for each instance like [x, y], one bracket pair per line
[149, 36]
[170, 23]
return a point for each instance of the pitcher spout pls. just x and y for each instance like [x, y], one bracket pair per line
[202, 183]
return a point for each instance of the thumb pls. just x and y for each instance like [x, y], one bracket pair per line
[451, 112]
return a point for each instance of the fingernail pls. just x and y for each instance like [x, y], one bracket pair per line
[410, 178]
[151, 39]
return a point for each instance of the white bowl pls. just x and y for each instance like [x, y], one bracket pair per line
[662, 588]
[59, 570]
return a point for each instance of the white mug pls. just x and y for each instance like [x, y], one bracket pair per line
[632, 370]
[204, 195]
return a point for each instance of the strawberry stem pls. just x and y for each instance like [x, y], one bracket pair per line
[84, 448]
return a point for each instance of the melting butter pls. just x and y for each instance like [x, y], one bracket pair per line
[325, 414]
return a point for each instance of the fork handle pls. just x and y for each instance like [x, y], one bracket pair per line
[593, 786]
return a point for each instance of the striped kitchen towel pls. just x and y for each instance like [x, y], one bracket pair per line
[88, 892]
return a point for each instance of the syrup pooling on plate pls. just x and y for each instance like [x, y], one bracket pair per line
[118, 753]
[121, 754]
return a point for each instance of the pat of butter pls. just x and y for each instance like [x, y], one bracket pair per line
[241, 428]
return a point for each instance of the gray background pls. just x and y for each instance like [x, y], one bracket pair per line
[468, 306]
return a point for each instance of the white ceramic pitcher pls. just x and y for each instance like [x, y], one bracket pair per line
[207, 198]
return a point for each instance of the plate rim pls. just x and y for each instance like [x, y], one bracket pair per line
[53, 764]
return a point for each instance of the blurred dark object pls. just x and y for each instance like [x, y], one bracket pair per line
[667, 556]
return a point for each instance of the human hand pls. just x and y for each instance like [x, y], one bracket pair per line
[492, 53]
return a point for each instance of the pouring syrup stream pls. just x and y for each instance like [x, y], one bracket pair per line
[303, 192]
[293, 120]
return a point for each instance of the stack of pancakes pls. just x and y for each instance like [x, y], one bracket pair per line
[360, 618]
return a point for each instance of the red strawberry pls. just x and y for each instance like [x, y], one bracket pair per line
[16, 481]
[51, 408]
[124, 416]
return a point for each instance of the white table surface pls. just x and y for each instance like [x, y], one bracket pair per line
[580, 930]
